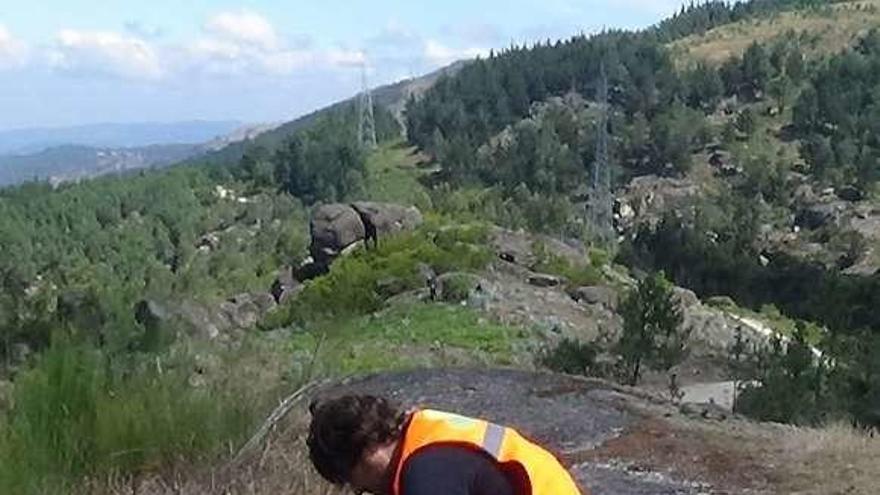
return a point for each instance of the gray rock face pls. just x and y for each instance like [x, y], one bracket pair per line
[549, 408]
[686, 298]
[647, 198]
[334, 227]
[387, 218]
[818, 215]
[203, 321]
[596, 295]
[850, 193]
[245, 310]
[545, 280]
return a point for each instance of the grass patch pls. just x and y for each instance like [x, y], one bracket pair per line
[834, 459]
[76, 417]
[393, 176]
[575, 274]
[825, 31]
[417, 335]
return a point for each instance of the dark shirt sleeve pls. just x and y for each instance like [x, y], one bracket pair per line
[453, 470]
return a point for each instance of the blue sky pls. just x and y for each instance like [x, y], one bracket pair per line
[66, 62]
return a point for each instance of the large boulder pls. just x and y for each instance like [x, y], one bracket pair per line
[202, 321]
[646, 199]
[245, 310]
[596, 295]
[387, 218]
[337, 226]
[545, 280]
[819, 215]
[333, 228]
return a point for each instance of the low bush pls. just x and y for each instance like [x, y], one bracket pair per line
[571, 356]
[457, 287]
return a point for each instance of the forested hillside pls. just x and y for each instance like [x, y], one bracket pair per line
[750, 178]
[755, 134]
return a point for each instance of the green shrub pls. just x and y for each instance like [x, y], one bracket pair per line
[571, 356]
[599, 258]
[721, 302]
[457, 287]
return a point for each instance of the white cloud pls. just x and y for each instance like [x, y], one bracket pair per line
[245, 43]
[394, 35]
[105, 52]
[243, 27]
[143, 30]
[13, 52]
[440, 54]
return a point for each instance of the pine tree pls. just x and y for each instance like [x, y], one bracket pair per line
[653, 335]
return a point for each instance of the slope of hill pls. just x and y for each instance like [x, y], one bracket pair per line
[823, 30]
[390, 101]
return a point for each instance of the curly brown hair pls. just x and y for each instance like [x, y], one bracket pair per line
[344, 427]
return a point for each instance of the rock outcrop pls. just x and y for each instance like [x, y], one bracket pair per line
[337, 227]
[333, 228]
[387, 218]
[596, 295]
[205, 321]
[645, 200]
[285, 285]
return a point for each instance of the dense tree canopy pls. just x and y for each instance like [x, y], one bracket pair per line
[838, 116]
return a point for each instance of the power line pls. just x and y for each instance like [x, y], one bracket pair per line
[601, 199]
[366, 119]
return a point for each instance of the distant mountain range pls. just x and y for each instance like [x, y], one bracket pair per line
[72, 162]
[90, 151]
[135, 135]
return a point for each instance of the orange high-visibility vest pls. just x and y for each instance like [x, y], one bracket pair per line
[546, 476]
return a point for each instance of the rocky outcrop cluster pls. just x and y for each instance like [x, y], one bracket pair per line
[335, 230]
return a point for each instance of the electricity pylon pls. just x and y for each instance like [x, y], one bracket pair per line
[366, 119]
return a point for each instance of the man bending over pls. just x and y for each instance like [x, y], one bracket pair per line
[370, 445]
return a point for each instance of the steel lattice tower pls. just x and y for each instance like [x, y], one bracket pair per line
[601, 204]
[366, 120]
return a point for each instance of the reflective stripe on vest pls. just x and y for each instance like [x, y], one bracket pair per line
[546, 476]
